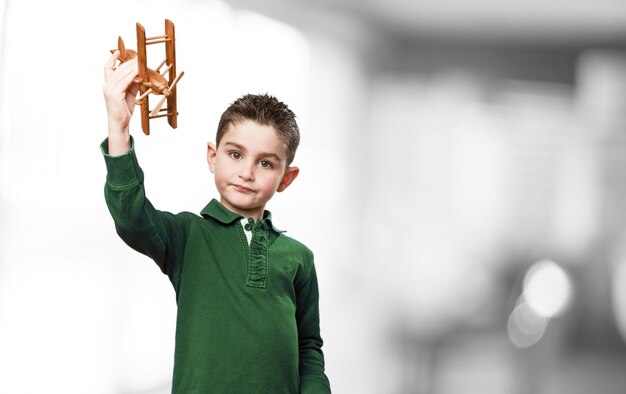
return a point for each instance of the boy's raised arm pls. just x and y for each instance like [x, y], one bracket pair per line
[119, 91]
[154, 233]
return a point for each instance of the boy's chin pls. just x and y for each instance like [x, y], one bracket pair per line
[241, 206]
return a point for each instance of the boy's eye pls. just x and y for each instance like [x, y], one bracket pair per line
[235, 155]
[265, 164]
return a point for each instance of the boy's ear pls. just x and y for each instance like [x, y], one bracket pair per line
[290, 175]
[211, 154]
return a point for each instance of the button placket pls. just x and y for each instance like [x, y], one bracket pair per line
[257, 268]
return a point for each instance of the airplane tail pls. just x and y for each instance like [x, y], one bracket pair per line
[125, 54]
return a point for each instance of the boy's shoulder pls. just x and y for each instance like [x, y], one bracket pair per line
[295, 247]
[296, 243]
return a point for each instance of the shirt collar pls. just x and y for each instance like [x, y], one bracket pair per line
[217, 211]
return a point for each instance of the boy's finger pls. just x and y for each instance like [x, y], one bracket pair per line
[109, 66]
[127, 68]
[133, 89]
[125, 73]
[122, 75]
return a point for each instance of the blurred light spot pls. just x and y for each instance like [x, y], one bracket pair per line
[525, 327]
[547, 288]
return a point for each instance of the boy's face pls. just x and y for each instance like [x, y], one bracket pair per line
[250, 165]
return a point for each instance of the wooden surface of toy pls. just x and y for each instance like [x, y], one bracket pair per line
[153, 81]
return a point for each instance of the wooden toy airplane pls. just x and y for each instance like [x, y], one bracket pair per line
[153, 81]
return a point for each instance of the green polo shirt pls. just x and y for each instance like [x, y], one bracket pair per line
[248, 315]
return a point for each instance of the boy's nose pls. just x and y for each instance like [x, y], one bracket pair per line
[247, 172]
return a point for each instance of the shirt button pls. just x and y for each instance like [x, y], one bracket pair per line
[247, 227]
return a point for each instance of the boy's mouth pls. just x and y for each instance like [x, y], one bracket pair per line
[243, 189]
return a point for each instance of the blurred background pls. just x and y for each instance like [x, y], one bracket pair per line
[463, 170]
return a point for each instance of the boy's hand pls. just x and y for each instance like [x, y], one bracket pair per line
[120, 91]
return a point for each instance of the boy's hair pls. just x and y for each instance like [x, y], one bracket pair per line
[265, 110]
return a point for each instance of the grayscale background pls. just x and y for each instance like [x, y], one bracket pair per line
[463, 177]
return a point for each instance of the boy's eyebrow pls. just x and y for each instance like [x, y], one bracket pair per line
[236, 145]
[262, 154]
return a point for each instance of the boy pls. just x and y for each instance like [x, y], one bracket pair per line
[247, 295]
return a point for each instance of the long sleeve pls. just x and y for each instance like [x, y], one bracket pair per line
[312, 376]
[154, 233]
